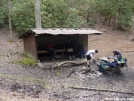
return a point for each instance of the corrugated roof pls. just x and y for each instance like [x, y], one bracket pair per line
[63, 31]
[57, 31]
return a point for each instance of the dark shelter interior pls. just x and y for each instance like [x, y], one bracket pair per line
[59, 43]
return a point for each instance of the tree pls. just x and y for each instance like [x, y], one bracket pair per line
[124, 13]
[3, 12]
[6, 10]
[70, 13]
[118, 10]
[37, 14]
[10, 22]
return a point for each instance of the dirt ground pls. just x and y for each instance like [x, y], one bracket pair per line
[37, 84]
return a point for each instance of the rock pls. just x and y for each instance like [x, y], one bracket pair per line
[40, 64]
[15, 87]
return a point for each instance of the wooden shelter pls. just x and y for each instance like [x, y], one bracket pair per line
[35, 40]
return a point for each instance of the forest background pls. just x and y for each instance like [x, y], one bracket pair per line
[19, 14]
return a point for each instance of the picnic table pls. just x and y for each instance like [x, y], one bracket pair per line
[117, 69]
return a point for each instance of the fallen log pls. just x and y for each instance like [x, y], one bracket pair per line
[70, 73]
[126, 51]
[103, 90]
[69, 63]
[66, 62]
[11, 53]
[85, 71]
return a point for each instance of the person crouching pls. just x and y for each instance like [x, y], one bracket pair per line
[91, 56]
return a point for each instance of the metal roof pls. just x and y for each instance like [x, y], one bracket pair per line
[63, 31]
[57, 31]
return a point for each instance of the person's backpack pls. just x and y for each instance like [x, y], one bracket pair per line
[82, 53]
[102, 67]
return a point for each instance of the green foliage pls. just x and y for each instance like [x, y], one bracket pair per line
[23, 15]
[52, 13]
[67, 13]
[74, 20]
[57, 13]
[3, 12]
[119, 10]
[124, 13]
[26, 61]
[9, 40]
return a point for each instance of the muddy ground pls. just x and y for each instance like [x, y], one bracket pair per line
[39, 84]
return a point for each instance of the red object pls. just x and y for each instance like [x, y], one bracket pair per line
[49, 46]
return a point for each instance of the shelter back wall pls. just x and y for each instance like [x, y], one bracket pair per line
[62, 39]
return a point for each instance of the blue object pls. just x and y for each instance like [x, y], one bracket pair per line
[112, 64]
[82, 53]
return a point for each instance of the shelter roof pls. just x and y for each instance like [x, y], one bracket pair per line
[61, 31]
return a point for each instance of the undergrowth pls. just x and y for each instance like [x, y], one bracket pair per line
[26, 61]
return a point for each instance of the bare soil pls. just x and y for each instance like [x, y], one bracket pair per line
[25, 83]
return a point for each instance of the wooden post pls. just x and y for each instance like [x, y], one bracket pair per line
[37, 13]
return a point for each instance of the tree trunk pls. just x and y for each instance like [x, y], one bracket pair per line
[88, 20]
[37, 14]
[10, 22]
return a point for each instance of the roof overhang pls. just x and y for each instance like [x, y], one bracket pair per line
[61, 31]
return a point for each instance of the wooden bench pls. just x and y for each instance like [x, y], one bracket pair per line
[56, 51]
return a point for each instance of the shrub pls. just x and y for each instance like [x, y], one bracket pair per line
[26, 61]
